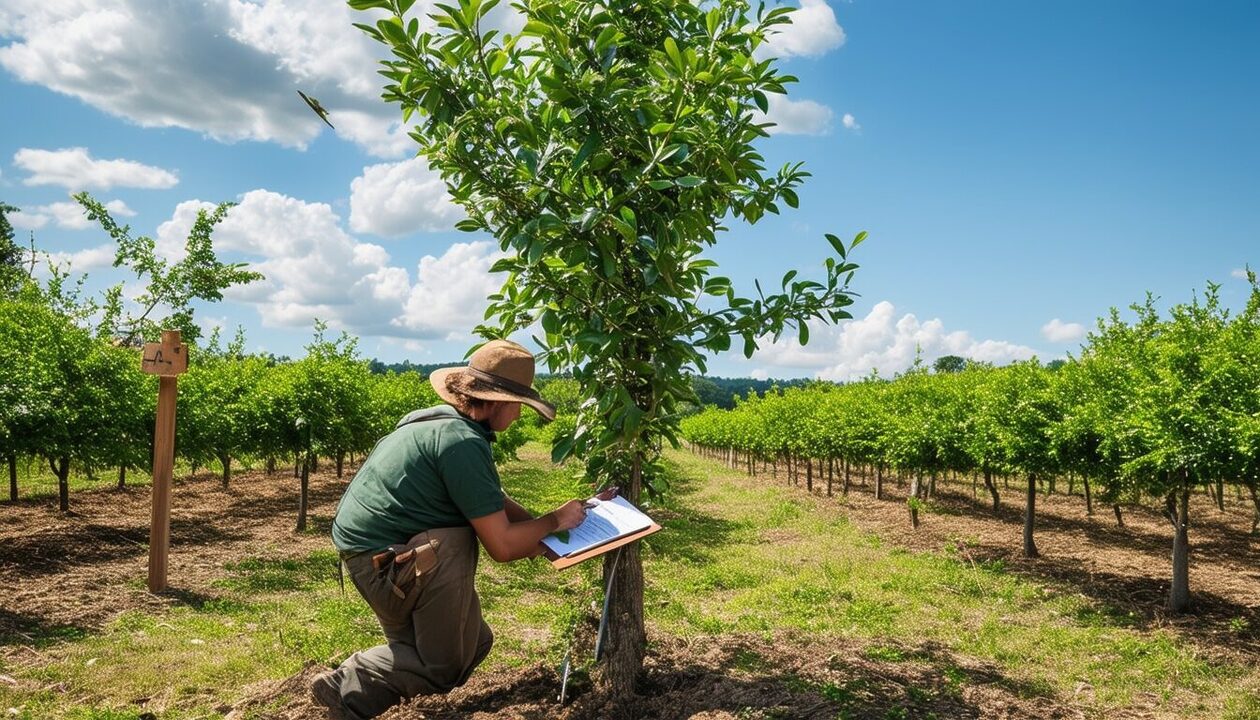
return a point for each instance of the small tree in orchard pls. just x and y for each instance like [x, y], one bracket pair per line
[604, 148]
[199, 275]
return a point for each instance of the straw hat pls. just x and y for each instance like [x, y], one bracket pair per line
[499, 370]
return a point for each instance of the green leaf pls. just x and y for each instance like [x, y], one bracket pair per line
[468, 225]
[857, 240]
[561, 448]
[393, 31]
[688, 181]
[671, 49]
[660, 184]
[588, 146]
[760, 98]
[605, 38]
[837, 244]
[803, 333]
[368, 4]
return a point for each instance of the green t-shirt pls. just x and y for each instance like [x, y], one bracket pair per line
[428, 474]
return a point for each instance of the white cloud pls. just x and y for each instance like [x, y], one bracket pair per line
[314, 269]
[173, 234]
[450, 293]
[395, 199]
[883, 342]
[72, 216]
[850, 122]
[797, 117]
[759, 374]
[379, 136]
[28, 220]
[1240, 273]
[164, 64]
[75, 169]
[1058, 331]
[226, 68]
[88, 259]
[813, 33]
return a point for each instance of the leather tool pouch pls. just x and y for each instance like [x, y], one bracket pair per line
[411, 563]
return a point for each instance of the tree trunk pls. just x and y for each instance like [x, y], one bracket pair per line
[913, 501]
[831, 473]
[302, 495]
[13, 493]
[122, 476]
[225, 459]
[61, 468]
[271, 465]
[1179, 593]
[931, 488]
[1220, 493]
[1089, 500]
[993, 491]
[1119, 517]
[626, 640]
[1255, 500]
[341, 462]
[847, 480]
[879, 482]
[809, 475]
[1030, 514]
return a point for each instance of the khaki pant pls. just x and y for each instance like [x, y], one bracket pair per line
[435, 635]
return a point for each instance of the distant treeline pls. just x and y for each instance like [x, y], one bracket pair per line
[722, 391]
[717, 391]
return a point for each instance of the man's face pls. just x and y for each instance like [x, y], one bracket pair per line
[503, 414]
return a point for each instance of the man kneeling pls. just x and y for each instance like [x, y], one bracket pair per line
[407, 530]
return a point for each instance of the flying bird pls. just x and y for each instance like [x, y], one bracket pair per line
[319, 109]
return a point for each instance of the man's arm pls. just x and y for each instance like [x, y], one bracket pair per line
[515, 511]
[506, 540]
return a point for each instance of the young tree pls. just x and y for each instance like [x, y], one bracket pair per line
[215, 397]
[11, 255]
[604, 147]
[199, 275]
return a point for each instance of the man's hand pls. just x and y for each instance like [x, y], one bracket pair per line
[569, 515]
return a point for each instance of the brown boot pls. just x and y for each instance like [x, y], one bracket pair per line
[327, 695]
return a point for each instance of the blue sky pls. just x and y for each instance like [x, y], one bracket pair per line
[1021, 168]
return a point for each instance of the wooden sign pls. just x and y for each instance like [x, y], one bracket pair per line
[167, 359]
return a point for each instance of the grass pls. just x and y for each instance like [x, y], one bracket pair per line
[735, 557]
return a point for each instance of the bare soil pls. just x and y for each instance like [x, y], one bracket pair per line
[62, 573]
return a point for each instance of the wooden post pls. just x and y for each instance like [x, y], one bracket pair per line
[168, 359]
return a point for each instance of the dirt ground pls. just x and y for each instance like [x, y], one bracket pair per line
[62, 572]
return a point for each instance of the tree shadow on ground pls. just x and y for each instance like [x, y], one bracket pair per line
[34, 630]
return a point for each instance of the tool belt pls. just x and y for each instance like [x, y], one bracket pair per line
[403, 565]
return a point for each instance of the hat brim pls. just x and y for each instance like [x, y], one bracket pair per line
[483, 391]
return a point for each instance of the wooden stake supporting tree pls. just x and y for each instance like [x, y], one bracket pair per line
[167, 359]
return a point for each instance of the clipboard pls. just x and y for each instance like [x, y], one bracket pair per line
[560, 563]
